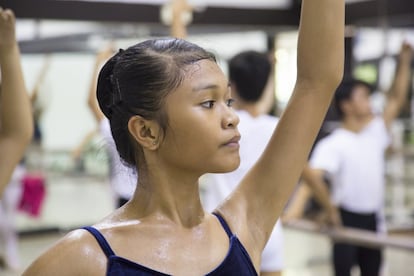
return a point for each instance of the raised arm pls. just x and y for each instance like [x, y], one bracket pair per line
[39, 81]
[16, 124]
[397, 94]
[263, 193]
[179, 9]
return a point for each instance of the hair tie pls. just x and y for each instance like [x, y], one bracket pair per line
[116, 96]
[116, 89]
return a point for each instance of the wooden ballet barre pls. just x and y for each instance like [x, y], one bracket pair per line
[354, 236]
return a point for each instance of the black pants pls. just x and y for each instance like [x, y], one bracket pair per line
[345, 256]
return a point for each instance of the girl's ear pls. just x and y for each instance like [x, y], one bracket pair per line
[145, 132]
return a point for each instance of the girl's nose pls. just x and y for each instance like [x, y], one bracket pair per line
[230, 119]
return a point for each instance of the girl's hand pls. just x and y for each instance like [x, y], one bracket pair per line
[7, 29]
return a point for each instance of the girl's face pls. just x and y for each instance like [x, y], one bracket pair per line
[202, 135]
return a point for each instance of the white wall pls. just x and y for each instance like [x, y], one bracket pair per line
[63, 96]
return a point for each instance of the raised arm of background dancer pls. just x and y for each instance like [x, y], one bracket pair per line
[398, 92]
[315, 180]
[262, 195]
[16, 123]
[178, 26]
[43, 71]
[92, 100]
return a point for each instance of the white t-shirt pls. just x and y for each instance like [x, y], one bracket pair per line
[255, 134]
[355, 164]
[123, 178]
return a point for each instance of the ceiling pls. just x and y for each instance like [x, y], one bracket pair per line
[216, 12]
[80, 19]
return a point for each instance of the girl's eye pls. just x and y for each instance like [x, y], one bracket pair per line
[208, 104]
[230, 102]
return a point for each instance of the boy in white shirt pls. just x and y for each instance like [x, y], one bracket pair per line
[353, 159]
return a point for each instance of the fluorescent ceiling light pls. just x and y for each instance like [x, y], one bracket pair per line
[214, 3]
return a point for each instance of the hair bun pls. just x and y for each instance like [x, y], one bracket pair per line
[104, 89]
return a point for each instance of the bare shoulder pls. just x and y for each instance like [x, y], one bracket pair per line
[77, 253]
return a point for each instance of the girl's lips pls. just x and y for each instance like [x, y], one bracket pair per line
[233, 141]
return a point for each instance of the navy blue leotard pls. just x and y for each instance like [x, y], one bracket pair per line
[237, 262]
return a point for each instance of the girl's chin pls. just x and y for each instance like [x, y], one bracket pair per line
[228, 168]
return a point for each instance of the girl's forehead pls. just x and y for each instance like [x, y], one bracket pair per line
[202, 70]
[201, 76]
[203, 65]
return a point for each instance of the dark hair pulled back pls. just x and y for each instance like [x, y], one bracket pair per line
[136, 81]
[249, 71]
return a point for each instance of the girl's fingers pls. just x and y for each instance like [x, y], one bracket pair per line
[7, 14]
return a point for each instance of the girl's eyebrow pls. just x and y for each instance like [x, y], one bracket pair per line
[207, 87]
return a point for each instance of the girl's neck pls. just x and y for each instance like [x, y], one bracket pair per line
[176, 201]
